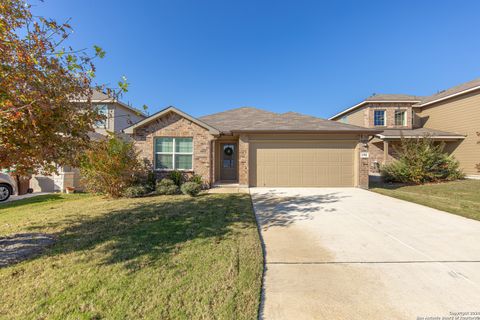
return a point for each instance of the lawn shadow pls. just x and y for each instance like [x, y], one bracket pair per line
[152, 228]
[37, 199]
[388, 185]
[277, 209]
[19, 247]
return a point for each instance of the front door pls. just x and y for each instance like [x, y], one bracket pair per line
[228, 161]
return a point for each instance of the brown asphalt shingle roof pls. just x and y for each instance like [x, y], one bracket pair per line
[420, 100]
[394, 97]
[419, 132]
[451, 91]
[253, 119]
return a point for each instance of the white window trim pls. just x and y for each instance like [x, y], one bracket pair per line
[173, 153]
[404, 120]
[384, 118]
[107, 117]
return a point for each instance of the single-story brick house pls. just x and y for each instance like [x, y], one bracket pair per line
[252, 147]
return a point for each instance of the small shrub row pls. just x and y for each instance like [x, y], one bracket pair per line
[135, 191]
[167, 187]
[191, 188]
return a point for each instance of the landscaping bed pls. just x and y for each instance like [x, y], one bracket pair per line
[161, 257]
[460, 197]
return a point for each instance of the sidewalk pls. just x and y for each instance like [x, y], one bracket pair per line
[25, 196]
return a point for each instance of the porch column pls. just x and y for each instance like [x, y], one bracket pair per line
[385, 151]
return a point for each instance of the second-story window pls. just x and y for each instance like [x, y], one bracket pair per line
[379, 118]
[102, 110]
[400, 118]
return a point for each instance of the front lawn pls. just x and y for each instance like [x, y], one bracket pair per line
[458, 197]
[164, 257]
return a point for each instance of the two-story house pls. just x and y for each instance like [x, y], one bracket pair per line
[119, 116]
[452, 116]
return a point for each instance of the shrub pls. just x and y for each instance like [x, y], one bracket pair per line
[110, 165]
[177, 177]
[421, 160]
[167, 187]
[150, 181]
[196, 178]
[191, 188]
[135, 191]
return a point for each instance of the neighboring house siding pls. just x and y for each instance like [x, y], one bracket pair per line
[174, 125]
[118, 118]
[357, 117]
[124, 118]
[458, 115]
[390, 109]
[363, 116]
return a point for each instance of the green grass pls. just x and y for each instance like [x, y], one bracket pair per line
[459, 197]
[164, 257]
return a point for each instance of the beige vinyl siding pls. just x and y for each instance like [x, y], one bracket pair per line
[124, 118]
[459, 115]
[307, 163]
[355, 117]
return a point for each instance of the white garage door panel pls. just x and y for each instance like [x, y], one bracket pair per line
[308, 164]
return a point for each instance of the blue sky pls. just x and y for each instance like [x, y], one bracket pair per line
[313, 57]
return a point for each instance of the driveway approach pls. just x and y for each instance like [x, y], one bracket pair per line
[346, 253]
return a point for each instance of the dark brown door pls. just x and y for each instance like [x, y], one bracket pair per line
[228, 161]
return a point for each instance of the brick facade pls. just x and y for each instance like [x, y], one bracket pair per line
[390, 109]
[204, 148]
[377, 154]
[363, 169]
[174, 125]
[243, 160]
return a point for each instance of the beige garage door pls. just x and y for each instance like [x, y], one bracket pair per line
[303, 164]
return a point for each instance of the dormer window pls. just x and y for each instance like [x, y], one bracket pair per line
[401, 118]
[379, 118]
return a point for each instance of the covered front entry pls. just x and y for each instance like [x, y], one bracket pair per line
[303, 163]
[228, 161]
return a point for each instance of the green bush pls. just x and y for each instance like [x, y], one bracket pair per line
[421, 160]
[177, 177]
[191, 188]
[166, 187]
[111, 165]
[135, 191]
[150, 181]
[196, 178]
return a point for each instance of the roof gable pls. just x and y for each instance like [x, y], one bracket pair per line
[418, 101]
[161, 113]
[380, 98]
[247, 119]
[450, 93]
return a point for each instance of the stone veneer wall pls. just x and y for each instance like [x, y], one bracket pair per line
[174, 125]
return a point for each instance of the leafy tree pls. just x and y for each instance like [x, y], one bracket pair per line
[110, 166]
[42, 122]
[421, 160]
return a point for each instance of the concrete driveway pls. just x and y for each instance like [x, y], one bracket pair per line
[346, 253]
